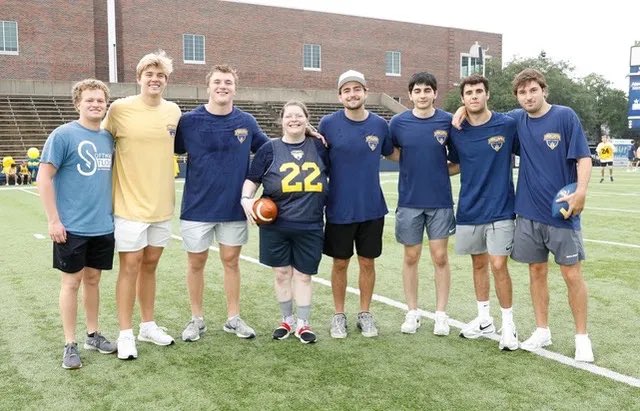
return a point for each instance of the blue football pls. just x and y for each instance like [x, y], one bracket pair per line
[559, 209]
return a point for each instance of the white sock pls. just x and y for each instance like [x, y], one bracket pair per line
[126, 333]
[148, 324]
[484, 309]
[545, 330]
[441, 313]
[507, 314]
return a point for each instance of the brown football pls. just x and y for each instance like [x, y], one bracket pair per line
[265, 210]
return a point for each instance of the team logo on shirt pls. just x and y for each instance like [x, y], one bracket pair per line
[440, 136]
[297, 154]
[372, 142]
[552, 140]
[92, 161]
[241, 134]
[171, 128]
[496, 142]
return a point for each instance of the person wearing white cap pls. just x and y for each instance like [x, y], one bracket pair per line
[356, 207]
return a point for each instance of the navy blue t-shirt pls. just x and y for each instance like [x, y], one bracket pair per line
[294, 176]
[424, 176]
[486, 177]
[549, 148]
[355, 148]
[219, 148]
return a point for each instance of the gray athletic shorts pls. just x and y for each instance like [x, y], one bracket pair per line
[533, 241]
[439, 223]
[198, 236]
[495, 238]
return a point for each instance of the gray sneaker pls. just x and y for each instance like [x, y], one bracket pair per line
[100, 344]
[366, 324]
[339, 326]
[239, 328]
[71, 357]
[194, 329]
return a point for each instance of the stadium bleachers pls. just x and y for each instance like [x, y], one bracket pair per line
[26, 121]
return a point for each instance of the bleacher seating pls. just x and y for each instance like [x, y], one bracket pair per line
[26, 121]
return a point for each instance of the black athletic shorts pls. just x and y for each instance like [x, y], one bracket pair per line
[82, 251]
[282, 247]
[367, 236]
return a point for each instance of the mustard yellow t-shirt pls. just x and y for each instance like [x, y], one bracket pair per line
[605, 151]
[143, 180]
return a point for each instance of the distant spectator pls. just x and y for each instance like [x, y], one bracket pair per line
[605, 151]
[12, 175]
[25, 175]
[631, 156]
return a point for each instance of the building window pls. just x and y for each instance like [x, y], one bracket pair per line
[392, 63]
[311, 57]
[470, 65]
[193, 48]
[8, 37]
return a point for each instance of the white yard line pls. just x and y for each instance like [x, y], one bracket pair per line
[563, 359]
[592, 368]
[617, 210]
[612, 243]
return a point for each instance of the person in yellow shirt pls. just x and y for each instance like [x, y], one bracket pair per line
[25, 176]
[605, 151]
[144, 128]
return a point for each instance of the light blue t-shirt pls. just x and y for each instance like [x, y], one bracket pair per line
[82, 182]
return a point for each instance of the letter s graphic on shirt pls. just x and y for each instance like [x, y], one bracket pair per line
[87, 151]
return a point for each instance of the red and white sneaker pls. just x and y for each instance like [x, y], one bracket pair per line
[284, 329]
[304, 333]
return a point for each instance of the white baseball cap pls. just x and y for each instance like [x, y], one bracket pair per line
[351, 75]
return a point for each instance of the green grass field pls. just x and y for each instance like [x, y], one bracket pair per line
[393, 371]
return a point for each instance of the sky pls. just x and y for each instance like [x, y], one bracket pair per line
[594, 39]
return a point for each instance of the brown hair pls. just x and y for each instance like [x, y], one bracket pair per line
[87, 84]
[473, 80]
[297, 104]
[527, 75]
[222, 68]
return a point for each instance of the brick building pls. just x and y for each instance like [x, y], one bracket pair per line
[270, 46]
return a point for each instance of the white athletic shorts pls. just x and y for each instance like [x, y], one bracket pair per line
[135, 235]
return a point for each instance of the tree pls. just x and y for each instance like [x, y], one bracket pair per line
[610, 106]
[593, 99]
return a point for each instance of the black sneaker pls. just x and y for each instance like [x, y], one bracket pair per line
[71, 357]
[611, 179]
[305, 335]
[283, 331]
[602, 180]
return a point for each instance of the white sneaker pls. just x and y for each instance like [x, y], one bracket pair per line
[441, 325]
[411, 322]
[155, 334]
[541, 337]
[509, 337]
[584, 352]
[127, 347]
[477, 328]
